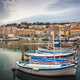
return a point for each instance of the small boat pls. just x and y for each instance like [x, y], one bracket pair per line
[47, 62]
[45, 66]
[46, 70]
[47, 53]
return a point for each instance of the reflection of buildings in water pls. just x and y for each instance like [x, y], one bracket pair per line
[21, 43]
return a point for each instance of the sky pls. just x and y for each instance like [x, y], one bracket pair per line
[64, 10]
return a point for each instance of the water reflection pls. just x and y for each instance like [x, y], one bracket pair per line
[7, 61]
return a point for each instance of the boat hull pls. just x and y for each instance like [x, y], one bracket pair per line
[70, 70]
[47, 73]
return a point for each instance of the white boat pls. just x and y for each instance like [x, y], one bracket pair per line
[45, 70]
[43, 66]
[47, 53]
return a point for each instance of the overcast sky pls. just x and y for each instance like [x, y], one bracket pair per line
[11, 10]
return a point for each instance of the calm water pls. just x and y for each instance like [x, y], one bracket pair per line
[8, 57]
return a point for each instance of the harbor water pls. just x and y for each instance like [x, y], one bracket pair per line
[8, 58]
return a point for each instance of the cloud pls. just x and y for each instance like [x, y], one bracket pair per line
[6, 8]
[2, 9]
[67, 10]
[63, 4]
[12, 10]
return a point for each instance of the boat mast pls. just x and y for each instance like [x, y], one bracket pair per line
[52, 35]
[51, 44]
[59, 38]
